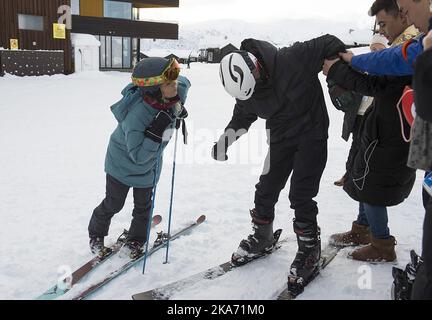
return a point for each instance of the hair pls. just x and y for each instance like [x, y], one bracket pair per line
[389, 6]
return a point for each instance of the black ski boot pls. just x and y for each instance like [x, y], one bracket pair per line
[403, 280]
[132, 249]
[307, 260]
[256, 244]
[161, 239]
[96, 244]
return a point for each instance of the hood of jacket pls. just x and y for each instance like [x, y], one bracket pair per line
[266, 54]
[120, 109]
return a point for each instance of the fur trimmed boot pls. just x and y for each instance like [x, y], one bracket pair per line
[358, 235]
[380, 250]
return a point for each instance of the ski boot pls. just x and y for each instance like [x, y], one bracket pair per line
[306, 263]
[161, 238]
[256, 244]
[132, 249]
[403, 280]
[96, 245]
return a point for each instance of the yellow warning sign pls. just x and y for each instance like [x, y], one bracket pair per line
[14, 44]
[59, 31]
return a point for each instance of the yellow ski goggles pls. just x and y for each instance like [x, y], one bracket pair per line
[170, 73]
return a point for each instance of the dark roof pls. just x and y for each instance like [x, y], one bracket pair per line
[230, 45]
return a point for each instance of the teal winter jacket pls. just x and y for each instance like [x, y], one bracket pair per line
[131, 156]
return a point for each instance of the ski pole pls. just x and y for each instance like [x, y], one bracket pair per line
[172, 194]
[152, 205]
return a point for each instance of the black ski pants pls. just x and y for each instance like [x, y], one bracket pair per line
[116, 193]
[306, 160]
[422, 289]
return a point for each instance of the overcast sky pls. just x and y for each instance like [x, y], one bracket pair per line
[192, 11]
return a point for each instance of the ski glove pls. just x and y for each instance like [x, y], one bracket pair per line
[343, 99]
[182, 115]
[220, 148]
[156, 131]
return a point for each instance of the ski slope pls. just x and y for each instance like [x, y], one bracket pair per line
[53, 137]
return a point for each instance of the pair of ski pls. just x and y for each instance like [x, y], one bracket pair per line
[66, 285]
[167, 291]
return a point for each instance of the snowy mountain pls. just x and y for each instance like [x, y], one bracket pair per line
[280, 33]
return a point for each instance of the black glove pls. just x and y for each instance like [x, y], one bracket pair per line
[183, 115]
[343, 99]
[157, 128]
[220, 148]
[337, 93]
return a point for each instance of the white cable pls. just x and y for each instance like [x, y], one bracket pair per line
[366, 172]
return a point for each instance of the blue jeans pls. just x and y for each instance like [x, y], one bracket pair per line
[376, 218]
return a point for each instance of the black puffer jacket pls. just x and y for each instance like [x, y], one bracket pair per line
[423, 85]
[378, 175]
[291, 98]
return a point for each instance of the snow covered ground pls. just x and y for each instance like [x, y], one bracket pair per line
[53, 137]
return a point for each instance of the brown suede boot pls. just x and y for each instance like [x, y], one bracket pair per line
[341, 181]
[380, 250]
[358, 235]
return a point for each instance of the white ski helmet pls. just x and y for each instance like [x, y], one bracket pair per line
[236, 74]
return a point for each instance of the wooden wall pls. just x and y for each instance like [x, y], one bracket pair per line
[29, 39]
[92, 8]
[31, 63]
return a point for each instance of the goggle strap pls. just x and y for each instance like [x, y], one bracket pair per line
[251, 65]
[157, 80]
[148, 82]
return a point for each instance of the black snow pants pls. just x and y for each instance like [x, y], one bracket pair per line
[422, 289]
[306, 160]
[116, 193]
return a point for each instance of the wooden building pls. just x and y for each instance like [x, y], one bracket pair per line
[28, 25]
[215, 55]
[117, 26]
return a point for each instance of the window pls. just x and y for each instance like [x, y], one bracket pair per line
[117, 55]
[108, 62]
[126, 53]
[102, 52]
[117, 9]
[28, 22]
[135, 14]
[115, 52]
[75, 4]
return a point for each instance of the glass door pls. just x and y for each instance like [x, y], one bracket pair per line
[115, 52]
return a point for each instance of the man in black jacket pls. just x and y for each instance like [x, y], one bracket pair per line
[282, 87]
